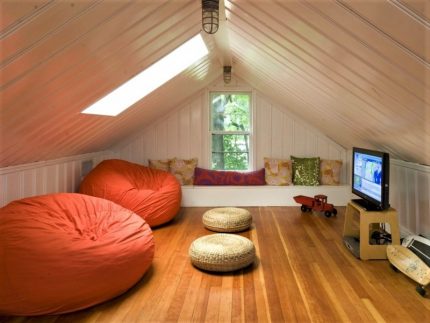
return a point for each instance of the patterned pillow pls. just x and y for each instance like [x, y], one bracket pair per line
[306, 171]
[330, 172]
[161, 164]
[278, 171]
[183, 169]
[218, 177]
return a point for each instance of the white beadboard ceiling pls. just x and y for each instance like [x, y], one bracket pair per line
[357, 70]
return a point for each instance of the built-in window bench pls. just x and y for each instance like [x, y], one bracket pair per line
[264, 195]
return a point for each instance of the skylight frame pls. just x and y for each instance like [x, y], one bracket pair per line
[150, 79]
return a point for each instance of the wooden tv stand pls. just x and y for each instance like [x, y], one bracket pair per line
[369, 220]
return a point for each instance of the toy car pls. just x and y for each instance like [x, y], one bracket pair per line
[316, 203]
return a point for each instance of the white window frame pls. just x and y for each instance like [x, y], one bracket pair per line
[251, 131]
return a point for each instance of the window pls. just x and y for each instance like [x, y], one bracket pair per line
[230, 126]
[150, 79]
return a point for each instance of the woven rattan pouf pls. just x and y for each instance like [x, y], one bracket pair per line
[227, 219]
[222, 252]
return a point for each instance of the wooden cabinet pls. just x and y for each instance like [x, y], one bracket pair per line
[360, 223]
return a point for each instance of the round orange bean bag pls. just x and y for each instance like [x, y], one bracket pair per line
[153, 194]
[64, 252]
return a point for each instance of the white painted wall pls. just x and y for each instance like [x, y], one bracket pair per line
[185, 133]
[410, 195]
[53, 176]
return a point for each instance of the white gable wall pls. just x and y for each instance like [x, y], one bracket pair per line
[184, 133]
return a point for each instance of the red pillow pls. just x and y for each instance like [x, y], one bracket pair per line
[217, 177]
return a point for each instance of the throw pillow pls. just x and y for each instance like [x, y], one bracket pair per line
[183, 169]
[161, 164]
[217, 177]
[278, 171]
[306, 171]
[330, 172]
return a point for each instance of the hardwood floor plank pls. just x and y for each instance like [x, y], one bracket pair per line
[303, 273]
[226, 299]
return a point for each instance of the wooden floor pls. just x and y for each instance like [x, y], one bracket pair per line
[303, 274]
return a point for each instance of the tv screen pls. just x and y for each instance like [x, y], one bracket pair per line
[370, 178]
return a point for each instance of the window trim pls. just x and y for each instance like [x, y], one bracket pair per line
[251, 131]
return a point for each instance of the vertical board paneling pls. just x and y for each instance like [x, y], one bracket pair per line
[197, 130]
[410, 195]
[323, 149]
[61, 175]
[173, 137]
[50, 174]
[29, 185]
[263, 131]
[13, 186]
[69, 170]
[184, 134]
[300, 140]
[288, 136]
[161, 140]
[423, 205]
[277, 132]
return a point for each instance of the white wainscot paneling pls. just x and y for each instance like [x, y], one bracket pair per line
[54, 176]
[410, 195]
[281, 134]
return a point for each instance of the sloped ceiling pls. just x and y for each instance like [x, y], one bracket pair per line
[57, 58]
[357, 70]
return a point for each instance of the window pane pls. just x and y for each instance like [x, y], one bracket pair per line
[230, 112]
[230, 152]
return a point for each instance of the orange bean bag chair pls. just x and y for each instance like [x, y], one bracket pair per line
[64, 252]
[153, 194]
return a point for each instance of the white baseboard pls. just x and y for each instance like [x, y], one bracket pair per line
[195, 196]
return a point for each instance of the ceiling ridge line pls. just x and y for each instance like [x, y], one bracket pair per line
[403, 47]
[25, 20]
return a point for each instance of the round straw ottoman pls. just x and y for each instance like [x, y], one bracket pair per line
[222, 252]
[227, 219]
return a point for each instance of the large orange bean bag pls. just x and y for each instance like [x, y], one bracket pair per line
[64, 252]
[153, 194]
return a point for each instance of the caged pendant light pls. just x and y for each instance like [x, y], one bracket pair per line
[210, 16]
[227, 74]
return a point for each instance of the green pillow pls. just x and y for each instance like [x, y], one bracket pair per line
[306, 171]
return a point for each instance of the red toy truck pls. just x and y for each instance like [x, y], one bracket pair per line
[316, 203]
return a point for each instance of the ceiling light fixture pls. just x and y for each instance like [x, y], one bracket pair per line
[210, 16]
[227, 74]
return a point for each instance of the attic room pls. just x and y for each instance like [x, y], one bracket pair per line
[219, 161]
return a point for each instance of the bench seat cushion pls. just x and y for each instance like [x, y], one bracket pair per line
[217, 177]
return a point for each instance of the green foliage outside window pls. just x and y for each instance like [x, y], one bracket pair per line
[230, 125]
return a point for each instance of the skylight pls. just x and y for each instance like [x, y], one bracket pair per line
[150, 79]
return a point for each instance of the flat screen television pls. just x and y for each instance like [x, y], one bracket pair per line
[371, 178]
